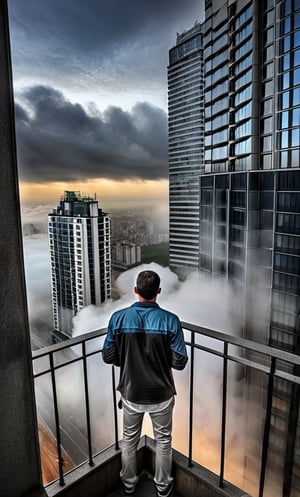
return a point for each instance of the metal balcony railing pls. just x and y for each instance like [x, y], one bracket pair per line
[268, 377]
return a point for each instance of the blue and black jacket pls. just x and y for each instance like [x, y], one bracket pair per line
[146, 342]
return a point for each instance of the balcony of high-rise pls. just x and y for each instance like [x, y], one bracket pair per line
[60, 425]
[223, 441]
[236, 420]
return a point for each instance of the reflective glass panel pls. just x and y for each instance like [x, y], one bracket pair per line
[284, 139]
[286, 80]
[286, 62]
[297, 76]
[267, 125]
[269, 70]
[285, 99]
[286, 43]
[286, 25]
[268, 106]
[284, 119]
[295, 137]
[296, 96]
[296, 117]
[295, 158]
[267, 161]
[268, 88]
[284, 159]
[267, 143]
[296, 39]
[297, 57]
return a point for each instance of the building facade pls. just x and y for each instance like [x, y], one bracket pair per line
[249, 196]
[80, 258]
[250, 191]
[126, 254]
[186, 138]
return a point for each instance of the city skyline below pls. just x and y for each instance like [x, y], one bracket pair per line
[90, 85]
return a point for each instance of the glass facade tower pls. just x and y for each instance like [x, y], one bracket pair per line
[249, 196]
[185, 88]
[250, 190]
[80, 258]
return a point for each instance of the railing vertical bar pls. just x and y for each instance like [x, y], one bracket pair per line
[115, 409]
[87, 404]
[267, 429]
[192, 360]
[57, 424]
[224, 413]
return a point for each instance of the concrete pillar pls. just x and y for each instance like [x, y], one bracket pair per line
[20, 472]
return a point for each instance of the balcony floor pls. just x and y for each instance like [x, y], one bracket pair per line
[102, 478]
[145, 488]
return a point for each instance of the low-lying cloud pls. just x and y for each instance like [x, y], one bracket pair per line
[198, 300]
[60, 141]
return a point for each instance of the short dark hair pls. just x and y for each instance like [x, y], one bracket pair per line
[147, 284]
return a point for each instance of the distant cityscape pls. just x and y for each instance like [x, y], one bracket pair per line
[129, 233]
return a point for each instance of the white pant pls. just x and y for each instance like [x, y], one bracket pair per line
[161, 417]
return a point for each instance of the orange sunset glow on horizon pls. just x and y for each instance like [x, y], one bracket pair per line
[109, 193]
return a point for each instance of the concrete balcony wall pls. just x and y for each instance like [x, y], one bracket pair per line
[20, 473]
[103, 478]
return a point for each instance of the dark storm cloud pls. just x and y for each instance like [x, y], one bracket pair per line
[96, 39]
[94, 23]
[59, 141]
[113, 53]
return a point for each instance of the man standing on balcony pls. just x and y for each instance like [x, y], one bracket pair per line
[146, 342]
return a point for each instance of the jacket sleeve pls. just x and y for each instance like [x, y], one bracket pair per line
[179, 356]
[110, 352]
[178, 361]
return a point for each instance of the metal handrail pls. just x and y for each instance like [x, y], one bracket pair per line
[270, 358]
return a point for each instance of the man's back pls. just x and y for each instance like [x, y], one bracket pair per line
[147, 343]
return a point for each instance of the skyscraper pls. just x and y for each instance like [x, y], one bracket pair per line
[249, 191]
[79, 240]
[185, 87]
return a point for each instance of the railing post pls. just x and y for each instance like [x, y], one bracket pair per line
[57, 424]
[115, 409]
[224, 413]
[191, 399]
[267, 429]
[87, 404]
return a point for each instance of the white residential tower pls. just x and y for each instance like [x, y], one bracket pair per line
[80, 258]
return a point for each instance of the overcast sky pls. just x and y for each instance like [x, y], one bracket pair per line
[90, 84]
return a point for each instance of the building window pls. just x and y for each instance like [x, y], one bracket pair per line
[243, 147]
[243, 33]
[287, 264]
[267, 161]
[288, 202]
[283, 120]
[267, 143]
[286, 243]
[282, 159]
[287, 282]
[243, 112]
